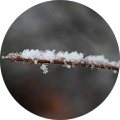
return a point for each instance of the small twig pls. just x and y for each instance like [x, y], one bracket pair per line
[18, 58]
[67, 59]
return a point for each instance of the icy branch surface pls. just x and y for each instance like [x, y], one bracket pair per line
[51, 55]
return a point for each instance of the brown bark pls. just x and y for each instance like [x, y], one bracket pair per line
[67, 62]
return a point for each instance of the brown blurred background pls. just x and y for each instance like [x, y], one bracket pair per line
[62, 93]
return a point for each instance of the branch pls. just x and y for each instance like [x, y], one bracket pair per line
[65, 58]
[67, 62]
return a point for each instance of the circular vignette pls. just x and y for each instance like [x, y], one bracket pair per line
[62, 93]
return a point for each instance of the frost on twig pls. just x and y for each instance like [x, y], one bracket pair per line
[67, 59]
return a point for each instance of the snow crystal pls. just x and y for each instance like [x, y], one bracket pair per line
[3, 57]
[92, 67]
[73, 65]
[98, 59]
[47, 55]
[115, 71]
[73, 56]
[13, 55]
[35, 61]
[67, 66]
[44, 68]
[116, 64]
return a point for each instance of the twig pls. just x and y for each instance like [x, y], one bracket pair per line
[18, 58]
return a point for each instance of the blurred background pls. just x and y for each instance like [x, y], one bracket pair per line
[62, 93]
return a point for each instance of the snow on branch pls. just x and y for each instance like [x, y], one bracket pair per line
[67, 59]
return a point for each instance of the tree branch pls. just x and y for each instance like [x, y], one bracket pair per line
[18, 58]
